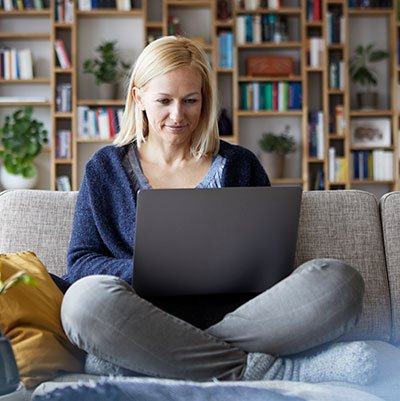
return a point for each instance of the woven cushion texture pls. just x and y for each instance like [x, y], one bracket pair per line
[40, 221]
[335, 224]
[346, 225]
[390, 211]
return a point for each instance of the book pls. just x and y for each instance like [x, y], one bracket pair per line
[340, 122]
[124, 5]
[62, 54]
[63, 183]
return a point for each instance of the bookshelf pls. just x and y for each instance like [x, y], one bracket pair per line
[318, 35]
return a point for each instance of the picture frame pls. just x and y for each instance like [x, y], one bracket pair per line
[370, 132]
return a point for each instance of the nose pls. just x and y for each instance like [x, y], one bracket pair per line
[176, 112]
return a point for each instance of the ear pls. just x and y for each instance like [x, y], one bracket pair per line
[137, 97]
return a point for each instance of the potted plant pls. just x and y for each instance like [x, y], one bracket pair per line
[21, 140]
[107, 68]
[274, 149]
[9, 374]
[362, 73]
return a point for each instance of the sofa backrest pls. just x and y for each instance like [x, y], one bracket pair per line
[390, 212]
[40, 221]
[335, 224]
[346, 225]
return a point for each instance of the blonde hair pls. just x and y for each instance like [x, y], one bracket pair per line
[158, 58]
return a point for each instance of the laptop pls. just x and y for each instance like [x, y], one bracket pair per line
[214, 241]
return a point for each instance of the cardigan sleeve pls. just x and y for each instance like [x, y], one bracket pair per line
[100, 243]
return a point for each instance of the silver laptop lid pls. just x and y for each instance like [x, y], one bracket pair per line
[214, 241]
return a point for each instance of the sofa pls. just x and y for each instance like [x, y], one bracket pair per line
[350, 225]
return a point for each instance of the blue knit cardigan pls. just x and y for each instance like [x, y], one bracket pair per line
[104, 222]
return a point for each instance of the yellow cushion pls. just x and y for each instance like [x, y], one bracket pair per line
[30, 317]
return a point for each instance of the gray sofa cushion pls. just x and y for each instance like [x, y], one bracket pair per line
[390, 212]
[39, 221]
[346, 225]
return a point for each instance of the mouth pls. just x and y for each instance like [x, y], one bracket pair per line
[175, 128]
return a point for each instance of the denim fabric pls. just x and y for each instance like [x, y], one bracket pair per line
[318, 303]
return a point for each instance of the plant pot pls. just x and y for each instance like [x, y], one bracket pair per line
[12, 181]
[273, 164]
[107, 91]
[9, 375]
[367, 100]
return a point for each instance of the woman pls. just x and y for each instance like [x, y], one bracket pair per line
[169, 139]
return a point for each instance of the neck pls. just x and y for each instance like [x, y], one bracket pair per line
[165, 153]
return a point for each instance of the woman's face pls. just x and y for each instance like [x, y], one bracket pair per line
[172, 103]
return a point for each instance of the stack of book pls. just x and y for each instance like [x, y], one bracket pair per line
[99, 122]
[16, 64]
[373, 164]
[279, 96]
[123, 5]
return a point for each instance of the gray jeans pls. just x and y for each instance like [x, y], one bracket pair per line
[319, 302]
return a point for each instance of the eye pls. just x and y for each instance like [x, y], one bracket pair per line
[190, 101]
[163, 101]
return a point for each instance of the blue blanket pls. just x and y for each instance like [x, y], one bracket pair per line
[149, 390]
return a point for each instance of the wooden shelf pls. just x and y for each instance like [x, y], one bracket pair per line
[372, 182]
[371, 113]
[27, 103]
[282, 11]
[287, 181]
[292, 78]
[154, 24]
[189, 3]
[270, 45]
[24, 36]
[61, 70]
[63, 115]
[264, 113]
[25, 13]
[109, 13]
[370, 12]
[99, 102]
[36, 80]
[94, 140]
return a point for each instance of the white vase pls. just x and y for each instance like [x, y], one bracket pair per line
[13, 181]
